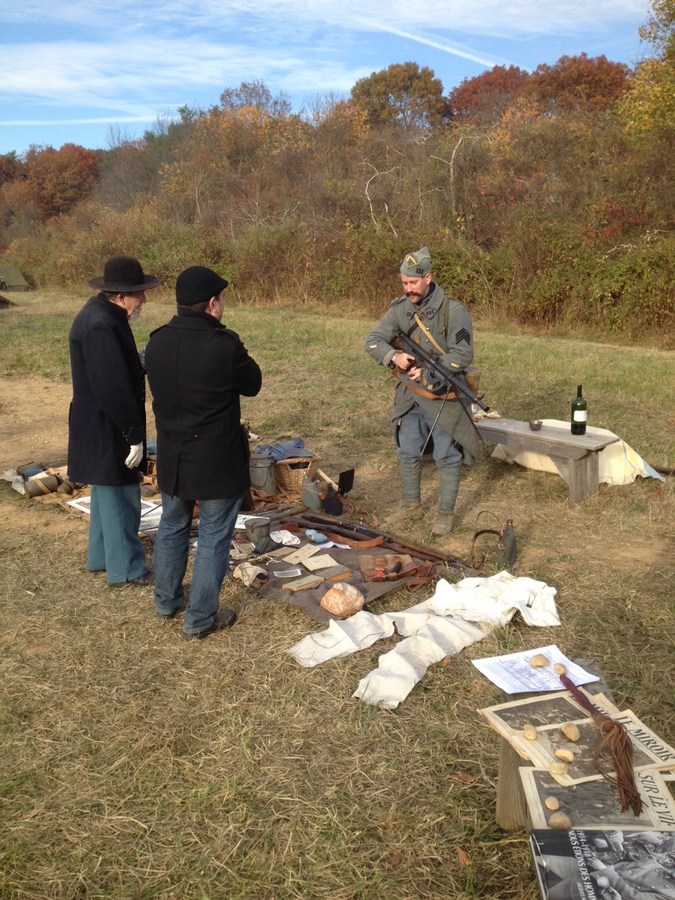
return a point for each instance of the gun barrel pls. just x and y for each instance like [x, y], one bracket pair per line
[407, 345]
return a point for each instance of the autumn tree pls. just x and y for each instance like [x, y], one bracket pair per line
[59, 179]
[403, 94]
[257, 96]
[578, 83]
[482, 99]
[11, 167]
[649, 105]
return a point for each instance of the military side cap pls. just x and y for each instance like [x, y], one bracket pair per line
[417, 265]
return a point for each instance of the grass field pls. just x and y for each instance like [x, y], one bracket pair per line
[135, 765]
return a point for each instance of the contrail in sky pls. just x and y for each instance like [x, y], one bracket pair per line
[465, 54]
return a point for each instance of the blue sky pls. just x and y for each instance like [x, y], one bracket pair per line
[94, 72]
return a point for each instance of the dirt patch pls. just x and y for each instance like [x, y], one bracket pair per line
[33, 421]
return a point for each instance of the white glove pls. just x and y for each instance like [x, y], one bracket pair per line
[134, 457]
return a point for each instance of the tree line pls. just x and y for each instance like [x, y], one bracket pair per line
[544, 197]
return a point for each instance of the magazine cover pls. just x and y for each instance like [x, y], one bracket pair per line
[604, 865]
[595, 804]
[546, 715]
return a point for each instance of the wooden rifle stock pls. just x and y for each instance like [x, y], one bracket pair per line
[364, 533]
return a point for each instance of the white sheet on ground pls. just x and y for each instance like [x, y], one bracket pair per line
[434, 629]
[618, 463]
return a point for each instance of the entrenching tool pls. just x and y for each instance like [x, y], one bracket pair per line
[335, 493]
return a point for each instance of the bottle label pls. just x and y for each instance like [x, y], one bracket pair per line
[579, 415]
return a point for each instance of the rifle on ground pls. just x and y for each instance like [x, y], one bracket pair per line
[438, 378]
[364, 535]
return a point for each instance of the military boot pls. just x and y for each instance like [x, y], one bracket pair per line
[405, 512]
[411, 508]
[445, 520]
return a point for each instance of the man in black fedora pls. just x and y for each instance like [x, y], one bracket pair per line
[197, 371]
[106, 441]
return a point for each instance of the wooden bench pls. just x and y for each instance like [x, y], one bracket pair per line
[574, 456]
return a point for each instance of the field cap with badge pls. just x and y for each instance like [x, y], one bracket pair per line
[417, 265]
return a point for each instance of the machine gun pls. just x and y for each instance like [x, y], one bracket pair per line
[438, 378]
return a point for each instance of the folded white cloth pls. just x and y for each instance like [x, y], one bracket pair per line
[343, 636]
[436, 628]
[249, 574]
[287, 538]
[399, 670]
[495, 600]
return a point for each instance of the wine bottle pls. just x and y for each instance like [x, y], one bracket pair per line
[579, 413]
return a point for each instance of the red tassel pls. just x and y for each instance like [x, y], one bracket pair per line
[615, 738]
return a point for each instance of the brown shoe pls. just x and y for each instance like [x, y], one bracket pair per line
[224, 619]
[406, 512]
[445, 522]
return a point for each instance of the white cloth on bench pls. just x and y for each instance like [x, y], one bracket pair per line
[618, 463]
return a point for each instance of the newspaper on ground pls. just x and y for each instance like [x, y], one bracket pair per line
[595, 804]
[515, 674]
[547, 713]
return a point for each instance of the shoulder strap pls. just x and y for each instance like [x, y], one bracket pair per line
[428, 334]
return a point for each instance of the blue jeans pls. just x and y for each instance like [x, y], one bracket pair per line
[114, 546]
[217, 519]
[413, 432]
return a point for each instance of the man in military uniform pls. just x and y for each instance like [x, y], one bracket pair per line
[442, 327]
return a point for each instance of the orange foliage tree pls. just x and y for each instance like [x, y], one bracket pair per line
[484, 98]
[59, 179]
[404, 94]
[578, 83]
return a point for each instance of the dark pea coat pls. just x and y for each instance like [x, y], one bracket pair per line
[197, 371]
[107, 412]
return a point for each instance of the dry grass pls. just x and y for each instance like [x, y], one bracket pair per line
[135, 765]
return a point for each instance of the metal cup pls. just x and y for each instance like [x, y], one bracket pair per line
[256, 528]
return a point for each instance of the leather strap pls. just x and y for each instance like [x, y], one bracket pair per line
[451, 395]
[428, 335]
[479, 565]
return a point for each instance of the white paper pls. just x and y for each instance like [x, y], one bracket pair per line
[514, 674]
[285, 537]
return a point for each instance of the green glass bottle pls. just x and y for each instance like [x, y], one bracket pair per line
[579, 413]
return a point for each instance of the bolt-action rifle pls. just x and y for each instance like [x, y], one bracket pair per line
[438, 378]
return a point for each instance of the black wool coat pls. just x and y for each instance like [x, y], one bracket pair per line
[197, 370]
[107, 412]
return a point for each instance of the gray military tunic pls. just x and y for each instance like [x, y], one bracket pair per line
[450, 325]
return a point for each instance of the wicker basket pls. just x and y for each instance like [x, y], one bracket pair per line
[290, 479]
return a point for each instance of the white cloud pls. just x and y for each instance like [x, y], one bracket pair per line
[433, 19]
[87, 59]
[81, 75]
